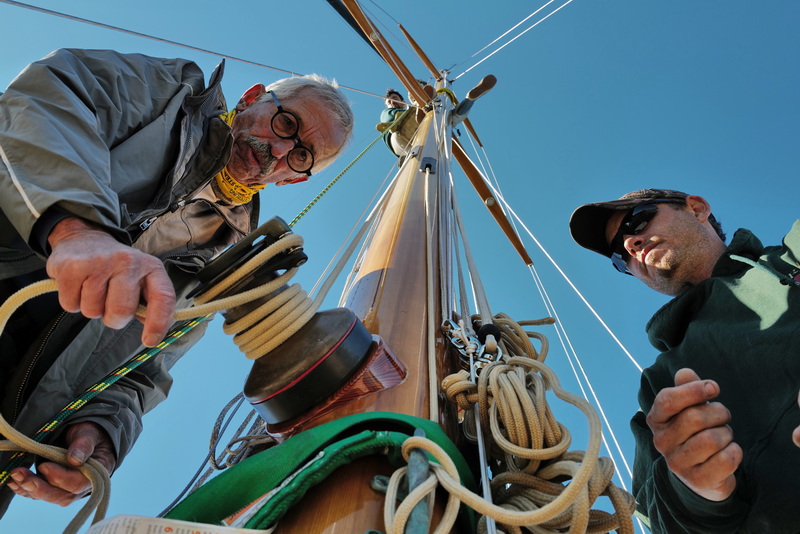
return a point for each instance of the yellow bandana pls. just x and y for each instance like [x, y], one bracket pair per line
[233, 191]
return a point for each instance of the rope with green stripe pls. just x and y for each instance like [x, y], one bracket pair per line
[25, 446]
[48, 428]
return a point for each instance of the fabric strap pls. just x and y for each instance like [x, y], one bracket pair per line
[250, 480]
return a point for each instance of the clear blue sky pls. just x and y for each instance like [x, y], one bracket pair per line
[602, 98]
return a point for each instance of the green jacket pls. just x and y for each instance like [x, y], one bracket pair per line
[740, 328]
[125, 141]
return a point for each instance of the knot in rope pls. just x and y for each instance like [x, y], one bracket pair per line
[460, 389]
[470, 346]
[519, 492]
[536, 480]
[281, 312]
[395, 517]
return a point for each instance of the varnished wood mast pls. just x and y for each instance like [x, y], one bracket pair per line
[390, 295]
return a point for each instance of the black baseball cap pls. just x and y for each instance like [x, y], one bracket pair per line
[588, 223]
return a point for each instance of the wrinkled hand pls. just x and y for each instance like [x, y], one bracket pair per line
[796, 433]
[61, 485]
[694, 437]
[100, 277]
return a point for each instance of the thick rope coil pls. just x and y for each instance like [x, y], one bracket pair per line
[540, 507]
[278, 322]
[528, 447]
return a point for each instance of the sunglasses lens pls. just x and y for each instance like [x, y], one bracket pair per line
[633, 224]
[619, 263]
[640, 220]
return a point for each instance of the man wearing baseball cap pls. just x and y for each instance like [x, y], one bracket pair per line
[719, 413]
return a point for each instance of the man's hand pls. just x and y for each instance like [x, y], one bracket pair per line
[100, 277]
[694, 437]
[796, 433]
[63, 485]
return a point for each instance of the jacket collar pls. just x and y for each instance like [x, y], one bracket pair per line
[668, 325]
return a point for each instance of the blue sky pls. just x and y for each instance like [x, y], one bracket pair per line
[602, 98]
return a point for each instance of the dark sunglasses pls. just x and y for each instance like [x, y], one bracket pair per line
[634, 223]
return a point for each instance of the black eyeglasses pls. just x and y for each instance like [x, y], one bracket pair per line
[634, 223]
[285, 125]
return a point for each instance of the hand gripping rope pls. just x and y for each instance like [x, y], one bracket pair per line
[285, 311]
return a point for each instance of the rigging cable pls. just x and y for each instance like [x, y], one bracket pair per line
[514, 39]
[564, 338]
[499, 196]
[167, 41]
[517, 25]
[561, 332]
[403, 42]
[575, 289]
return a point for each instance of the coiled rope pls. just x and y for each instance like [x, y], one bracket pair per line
[256, 333]
[528, 451]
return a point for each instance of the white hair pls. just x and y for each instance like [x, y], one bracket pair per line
[328, 92]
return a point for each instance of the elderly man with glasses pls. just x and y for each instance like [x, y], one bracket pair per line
[123, 175]
[719, 412]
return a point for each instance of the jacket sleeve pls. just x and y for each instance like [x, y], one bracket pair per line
[119, 409]
[61, 118]
[668, 505]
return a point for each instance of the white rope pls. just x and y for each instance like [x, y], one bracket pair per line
[565, 340]
[571, 354]
[517, 25]
[507, 383]
[169, 42]
[514, 39]
[433, 386]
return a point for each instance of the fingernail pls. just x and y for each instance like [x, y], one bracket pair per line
[29, 486]
[44, 469]
[18, 477]
[710, 389]
[12, 486]
[78, 455]
[150, 340]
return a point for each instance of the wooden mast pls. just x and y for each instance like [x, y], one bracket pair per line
[390, 296]
[397, 295]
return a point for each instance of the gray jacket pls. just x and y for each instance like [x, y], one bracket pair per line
[124, 141]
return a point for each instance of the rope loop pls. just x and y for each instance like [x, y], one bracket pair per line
[257, 333]
[537, 482]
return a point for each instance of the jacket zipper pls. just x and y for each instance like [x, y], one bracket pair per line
[29, 370]
[144, 225]
[22, 256]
